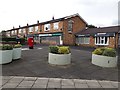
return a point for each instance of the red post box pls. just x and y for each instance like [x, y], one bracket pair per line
[30, 42]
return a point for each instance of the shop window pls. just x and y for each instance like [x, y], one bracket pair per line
[101, 40]
[56, 26]
[70, 26]
[46, 27]
[84, 40]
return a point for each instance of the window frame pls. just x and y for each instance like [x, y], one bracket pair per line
[30, 29]
[84, 40]
[56, 25]
[36, 28]
[98, 40]
[47, 27]
[20, 30]
[70, 26]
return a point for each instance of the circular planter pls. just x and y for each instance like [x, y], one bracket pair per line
[5, 56]
[104, 61]
[16, 53]
[59, 59]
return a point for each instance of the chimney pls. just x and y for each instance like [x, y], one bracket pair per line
[37, 21]
[27, 24]
[53, 18]
[13, 27]
[19, 26]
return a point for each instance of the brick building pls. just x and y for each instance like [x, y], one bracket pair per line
[56, 31]
[99, 37]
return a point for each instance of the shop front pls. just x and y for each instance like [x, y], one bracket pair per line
[52, 38]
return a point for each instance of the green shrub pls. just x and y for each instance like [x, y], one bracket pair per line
[97, 51]
[105, 51]
[53, 49]
[6, 47]
[17, 46]
[109, 52]
[63, 50]
[59, 49]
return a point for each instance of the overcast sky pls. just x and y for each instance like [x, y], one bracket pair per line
[100, 13]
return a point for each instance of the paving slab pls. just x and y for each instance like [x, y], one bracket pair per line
[93, 84]
[81, 85]
[10, 85]
[30, 78]
[26, 83]
[67, 82]
[106, 84]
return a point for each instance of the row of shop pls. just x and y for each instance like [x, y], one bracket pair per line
[51, 38]
[96, 37]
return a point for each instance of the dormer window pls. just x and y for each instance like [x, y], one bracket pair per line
[70, 26]
[46, 27]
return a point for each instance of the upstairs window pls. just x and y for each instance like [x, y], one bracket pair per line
[20, 30]
[13, 32]
[70, 26]
[46, 27]
[8, 34]
[30, 29]
[24, 31]
[36, 28]
[56, 26]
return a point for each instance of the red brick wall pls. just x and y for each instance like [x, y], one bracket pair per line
[78, 25]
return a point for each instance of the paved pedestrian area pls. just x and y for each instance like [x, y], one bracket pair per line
[34, 63]
[30, 83]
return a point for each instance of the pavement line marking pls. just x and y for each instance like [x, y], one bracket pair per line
[39, 48]
[25, 49]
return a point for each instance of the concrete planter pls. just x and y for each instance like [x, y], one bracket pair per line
[16, 53]
[104, 61]
[5, 56]
[59, 59]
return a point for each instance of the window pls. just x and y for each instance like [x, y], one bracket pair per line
[46, 27]
[13, 32]
[70, 25]
[56, 26]
[24, 31]
[20, 30]
[101, 40]
[36, 28]
[30, 29]
[8, 34]
[83, 40]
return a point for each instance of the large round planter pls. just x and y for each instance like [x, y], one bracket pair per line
[104, 61]
[59, 59]
[16, 53]
[5, 56]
